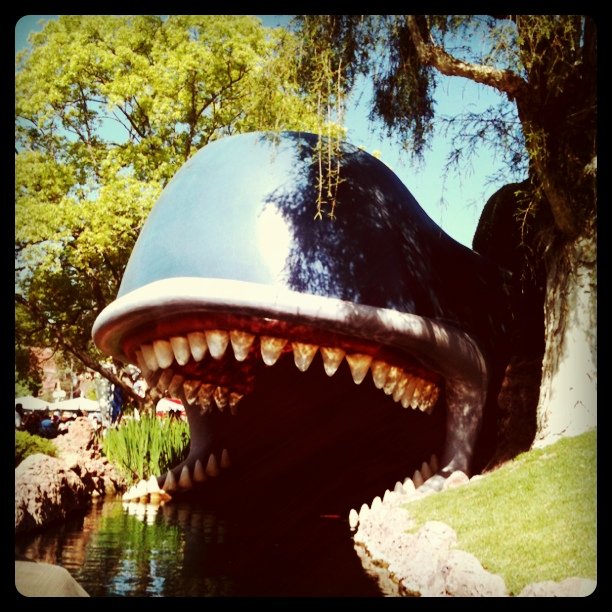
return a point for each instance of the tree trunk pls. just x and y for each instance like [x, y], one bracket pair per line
[568, 392]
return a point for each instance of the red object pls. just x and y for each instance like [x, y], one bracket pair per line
[330, 516]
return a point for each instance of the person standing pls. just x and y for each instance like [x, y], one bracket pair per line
[116, 405]
[46, 429]
[19, 416]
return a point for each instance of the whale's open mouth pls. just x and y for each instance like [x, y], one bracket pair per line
[236, 352]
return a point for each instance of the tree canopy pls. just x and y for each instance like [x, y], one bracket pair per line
[546, 67]
[107, 109]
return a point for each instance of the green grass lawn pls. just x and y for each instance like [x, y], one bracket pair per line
[531, 520]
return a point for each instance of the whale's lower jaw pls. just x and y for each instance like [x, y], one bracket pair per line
[368, 377]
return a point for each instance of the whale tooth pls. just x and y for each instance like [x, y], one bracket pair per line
[164, 380]
[380, 370]
[332, 358]
[190, 389]
[149, 357]
[163, 353]
[353, 518]
[416, 396]
[225, 459]
[433, 463]
[241, 343]
[170, 482]
[132, 494]
[152, 486]
[408, 485]
[197, 345]
[417, 479]
[205, 397]
[142, 365]
[431, 400]
[393, 377]
[400, 387]
[376, 503]
[212, 469]
[409, 391]
[424, 396]
[199, 475]
[271, 348]
[359, 365]
[175, 385]
[129, 494]
[303, 354]
[386, 496]
[399, 488]
[221, 397]
[185, 479]
[141, 490]
[217, 341]
[153, 490]
[363, 511]
[180, 348]
[234, 399]
[425, 471]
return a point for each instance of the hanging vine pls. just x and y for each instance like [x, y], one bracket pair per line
[330, 113]
[322, 71]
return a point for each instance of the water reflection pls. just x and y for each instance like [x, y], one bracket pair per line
[183, 549]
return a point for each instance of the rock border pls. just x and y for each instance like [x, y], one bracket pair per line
[50, 488]
[427, 562]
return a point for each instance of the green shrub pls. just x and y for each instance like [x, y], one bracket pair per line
[27, 444]
[146, 447]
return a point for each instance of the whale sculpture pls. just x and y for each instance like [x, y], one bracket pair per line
[236, 285]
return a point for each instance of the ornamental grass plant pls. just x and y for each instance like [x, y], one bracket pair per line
[146, 447]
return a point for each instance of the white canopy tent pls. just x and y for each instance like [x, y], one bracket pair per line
[33, 403]
[77, 403]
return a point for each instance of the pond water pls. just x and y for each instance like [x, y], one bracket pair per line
[185, 548]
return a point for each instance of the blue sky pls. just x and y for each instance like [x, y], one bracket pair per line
[453, 201]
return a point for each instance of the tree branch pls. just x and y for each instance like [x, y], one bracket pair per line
[505, 81]
[132, 123]
[96, 367]
[82, 356]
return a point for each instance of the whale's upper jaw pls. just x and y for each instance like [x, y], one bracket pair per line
[186, 331]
